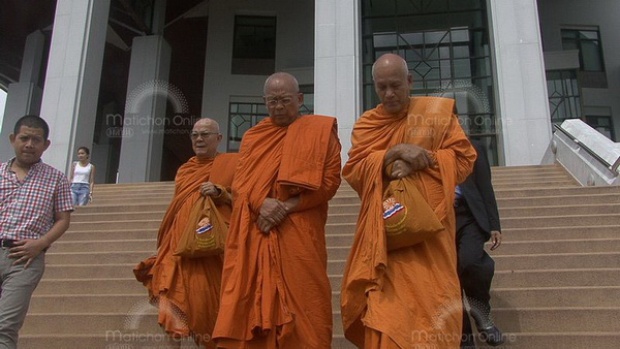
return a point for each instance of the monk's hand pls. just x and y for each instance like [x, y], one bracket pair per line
[209, 189]
[496, 239]
[272, 213]
[414, 155]
[26, 250]
[400, 169]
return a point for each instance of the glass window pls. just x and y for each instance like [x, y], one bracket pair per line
[254, 45]
[603, 124]
[243, 115]
[564, 97]
[588, 42]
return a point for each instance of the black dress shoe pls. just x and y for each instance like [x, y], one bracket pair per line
[492, 336]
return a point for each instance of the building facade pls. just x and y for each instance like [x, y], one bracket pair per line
[129, 78]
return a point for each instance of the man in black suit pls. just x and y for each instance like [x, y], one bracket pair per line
[477, 221]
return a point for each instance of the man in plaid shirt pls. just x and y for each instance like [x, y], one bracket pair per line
[35, 209]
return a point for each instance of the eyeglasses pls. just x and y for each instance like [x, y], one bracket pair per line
[203, 135]
[273, 102]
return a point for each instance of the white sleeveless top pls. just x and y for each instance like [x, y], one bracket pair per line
[81, 174]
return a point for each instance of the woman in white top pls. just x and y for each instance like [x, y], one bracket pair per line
[82, 178]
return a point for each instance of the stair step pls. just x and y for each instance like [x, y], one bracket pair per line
[104, 245]
[77, 303]
[555, 296]
[94, 257]
[340, 228]
[586, 277]
[127, 285]
[574, 319]
[560, 210]
[105, 225]
[555, 191]
[120, 207]
[583, 199]
[140, 319]
[560, 340]
[85, 271]
[557, 261]
[558, 246]
[561, 221]
[342, 218]
[108, 340]
[527, 184]
[551, 178]
[561, 233]
[116, 216]
[119, 234]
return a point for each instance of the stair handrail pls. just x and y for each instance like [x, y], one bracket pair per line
[612, 167]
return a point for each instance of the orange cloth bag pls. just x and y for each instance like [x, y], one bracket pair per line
[205, 233]
[407, 217]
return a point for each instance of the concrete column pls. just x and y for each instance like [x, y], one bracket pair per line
[23, 97]
[525, 123]
[73, 75]
[145, 110]
[337, 87]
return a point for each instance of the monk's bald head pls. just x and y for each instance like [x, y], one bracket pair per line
[390, 61]
[207, 123]
[281, 80]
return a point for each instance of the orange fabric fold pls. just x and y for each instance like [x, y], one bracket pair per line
[275, 290]
[412, 295]
[303, 162]
[187, 290]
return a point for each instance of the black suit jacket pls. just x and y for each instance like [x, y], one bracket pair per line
[477, 190]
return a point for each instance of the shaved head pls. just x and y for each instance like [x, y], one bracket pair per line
[211, 124]
[390, 60]
[281, 79]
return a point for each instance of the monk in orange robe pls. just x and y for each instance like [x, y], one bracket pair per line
[275, 289]
[408, 298]
[186, 290]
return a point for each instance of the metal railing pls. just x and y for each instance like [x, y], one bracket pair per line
[612, 167]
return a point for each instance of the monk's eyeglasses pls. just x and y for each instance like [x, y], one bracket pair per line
[273, 102]
[203, 135]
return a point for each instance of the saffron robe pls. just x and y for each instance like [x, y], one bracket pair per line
[275, 289]
[410, 297]
[187, 290]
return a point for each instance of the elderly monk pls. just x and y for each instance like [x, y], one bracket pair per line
[186, 290]
[275, 290]
[408, 298]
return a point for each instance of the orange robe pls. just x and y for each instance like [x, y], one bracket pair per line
[409, 298]
[187, 290]
[275, 289]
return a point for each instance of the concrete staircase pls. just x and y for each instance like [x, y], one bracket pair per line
[557, 283]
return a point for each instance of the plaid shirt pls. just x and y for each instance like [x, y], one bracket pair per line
[27, 208]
